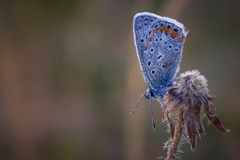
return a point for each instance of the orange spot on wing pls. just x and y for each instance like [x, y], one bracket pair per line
[145, 46]
[150, 37]
[174, 34]
[169, 64]
[167, 30]
[155, 29]
[180, 39]
[161, 28]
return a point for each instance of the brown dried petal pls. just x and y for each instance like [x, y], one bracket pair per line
[200, 128]
[214, 119]
[191, 130]
[171, 124]
[199, 125]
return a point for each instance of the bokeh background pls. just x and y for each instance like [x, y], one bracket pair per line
[69, 77]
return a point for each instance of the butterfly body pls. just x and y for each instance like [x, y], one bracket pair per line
[159, 44]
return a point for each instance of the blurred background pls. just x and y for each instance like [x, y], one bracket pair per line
[69, 77]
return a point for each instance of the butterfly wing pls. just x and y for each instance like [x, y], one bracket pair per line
[159, 44]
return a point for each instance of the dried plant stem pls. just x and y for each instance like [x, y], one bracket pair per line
[172, 150]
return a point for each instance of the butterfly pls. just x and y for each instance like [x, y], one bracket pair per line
[159, 45]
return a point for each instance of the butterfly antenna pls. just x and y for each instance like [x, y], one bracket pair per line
[136, 107]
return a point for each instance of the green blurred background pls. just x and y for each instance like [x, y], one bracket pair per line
[69, 76]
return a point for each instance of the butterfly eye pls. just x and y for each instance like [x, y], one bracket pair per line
[170, 46]
[153, 71]
[152, 50]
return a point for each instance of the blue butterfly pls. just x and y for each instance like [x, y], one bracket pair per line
[159, 45]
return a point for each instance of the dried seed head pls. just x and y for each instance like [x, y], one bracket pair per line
[190, 95]
[191, 83]
[190, 87]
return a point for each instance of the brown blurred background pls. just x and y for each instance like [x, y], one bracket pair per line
[69, 76]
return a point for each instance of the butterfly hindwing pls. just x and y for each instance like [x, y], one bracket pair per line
[159, 44]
